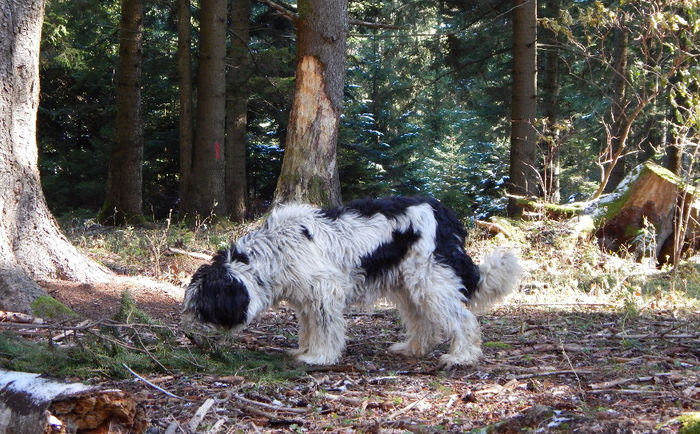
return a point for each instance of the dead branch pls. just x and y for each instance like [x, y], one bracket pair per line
[18, 317]
[174, 250]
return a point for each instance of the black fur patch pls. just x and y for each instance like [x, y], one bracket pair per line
[389, 255]
[305, 231]
[449, 248]
[222, 299]
[236, 256]
[390, 207]
[449, 242]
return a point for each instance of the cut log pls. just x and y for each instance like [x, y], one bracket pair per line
[642, 209]
[31, 403]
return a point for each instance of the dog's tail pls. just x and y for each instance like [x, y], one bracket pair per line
[500, 273]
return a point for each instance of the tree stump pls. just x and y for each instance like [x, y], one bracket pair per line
[641, 213]
[31, 403]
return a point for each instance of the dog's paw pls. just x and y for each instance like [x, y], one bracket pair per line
[451, 360]
[403, 348]
[317, 359]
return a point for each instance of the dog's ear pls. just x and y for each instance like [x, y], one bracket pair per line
[222, 299]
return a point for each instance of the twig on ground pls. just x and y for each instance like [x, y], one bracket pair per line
[153, 385]
[271, 406]
[200, 414]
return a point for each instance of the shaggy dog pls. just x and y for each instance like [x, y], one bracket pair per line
[407, 249]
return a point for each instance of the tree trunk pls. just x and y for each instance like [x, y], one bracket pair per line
[309, 169]
[205, 193]
[523, 139]
[550, 106]
[184, 63]
[618, 109]
[123, 197]
[31, 245]
[237, 110]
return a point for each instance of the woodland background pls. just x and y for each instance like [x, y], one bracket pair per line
[426, 103]
[462, 100]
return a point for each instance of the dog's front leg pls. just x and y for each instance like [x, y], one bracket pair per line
[324, 332]
[304, 327]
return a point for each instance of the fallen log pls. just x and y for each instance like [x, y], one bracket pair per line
[32, 403]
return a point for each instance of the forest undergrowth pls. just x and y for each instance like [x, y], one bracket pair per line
[592, 342]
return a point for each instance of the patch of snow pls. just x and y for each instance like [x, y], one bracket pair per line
[41, 390]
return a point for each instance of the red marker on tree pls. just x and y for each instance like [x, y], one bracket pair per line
[216, 145]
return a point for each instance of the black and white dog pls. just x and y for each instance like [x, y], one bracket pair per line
[407, 249]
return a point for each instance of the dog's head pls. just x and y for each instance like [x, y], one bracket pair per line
[219, 295]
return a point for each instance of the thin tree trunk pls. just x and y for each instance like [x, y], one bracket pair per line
[184, 60]
[31, 245]
[618, 109]
[124, 181]
[550, 106]
[309, 169]
[523, 139]
[237, 110]
[205, 194]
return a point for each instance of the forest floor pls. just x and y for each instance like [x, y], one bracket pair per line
[590, 343]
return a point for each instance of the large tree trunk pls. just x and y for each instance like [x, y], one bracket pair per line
[125, 178]
[205, 192]
[523, 138]
[237, 110]
[309, 169]
[184, 63]
[31, 245]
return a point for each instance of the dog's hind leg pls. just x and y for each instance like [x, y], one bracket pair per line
[464, 333]
[421, 334]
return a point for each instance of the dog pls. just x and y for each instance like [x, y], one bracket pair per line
[320, 261]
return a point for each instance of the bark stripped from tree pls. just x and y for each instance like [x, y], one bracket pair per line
[30, 403]
[309, 169]
[125, 178]
[31, 245]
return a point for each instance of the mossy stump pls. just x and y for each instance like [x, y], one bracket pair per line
[643, 208]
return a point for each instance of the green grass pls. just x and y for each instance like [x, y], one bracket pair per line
[145, 346]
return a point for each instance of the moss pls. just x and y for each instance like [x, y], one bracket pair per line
[50, 308]
[497, 344]
[690, 423]
[552, 209]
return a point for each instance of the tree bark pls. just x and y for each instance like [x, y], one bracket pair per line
[184, 63]
[523, 138]
[31, 245]
[550, 106]
[205, 192]
[309, 169]
[123, 197]
[237, 110]
[618, 109]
